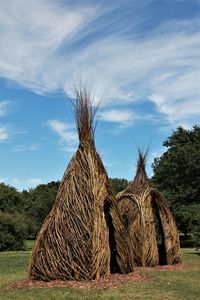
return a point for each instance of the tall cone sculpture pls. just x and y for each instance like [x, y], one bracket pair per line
[143, 210]
[78, 237]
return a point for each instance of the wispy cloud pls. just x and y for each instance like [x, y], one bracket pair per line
[156, 154]
[54, 42]
[160, 70]
[7, 131]
[34, 181]
[20, 183]
[15, 180]
[4, 133]
[4, 104]
[66, 132]
[151, 157]
[37, 31]
[124, 117]
[22, 148]
[3, 179]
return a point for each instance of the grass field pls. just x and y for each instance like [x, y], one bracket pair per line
[177, 284]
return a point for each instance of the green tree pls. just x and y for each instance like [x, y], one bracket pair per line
[10, 199]
[187, 217]
[195, 234]
[118, 184]
[13, 222]
[12, 231]
[177, 171]
[39, 202]
[177, 174]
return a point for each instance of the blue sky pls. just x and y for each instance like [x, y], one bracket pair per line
[141, 56]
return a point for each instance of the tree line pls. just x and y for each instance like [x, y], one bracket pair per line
[176, 174]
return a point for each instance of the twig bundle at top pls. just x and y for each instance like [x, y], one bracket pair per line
[78, 237]
[141, 207]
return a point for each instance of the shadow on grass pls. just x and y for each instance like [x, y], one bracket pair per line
[186, 242]
[197, 253]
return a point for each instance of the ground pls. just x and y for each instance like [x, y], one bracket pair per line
[181, 283]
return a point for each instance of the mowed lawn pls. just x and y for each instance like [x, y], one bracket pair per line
[176, 284]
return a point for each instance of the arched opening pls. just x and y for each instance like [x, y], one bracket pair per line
[159, 235]
[114, 267]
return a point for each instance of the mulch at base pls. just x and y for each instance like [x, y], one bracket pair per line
[112, 281]
[170, 267]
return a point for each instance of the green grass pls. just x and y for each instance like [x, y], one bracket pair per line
[174, 285]
[29, 244]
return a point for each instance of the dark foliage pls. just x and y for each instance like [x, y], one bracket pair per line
[11, 200]
[177, 171]
[177, 175]
[12, 231]
[39, 202]
[118, 184]
[36, 203]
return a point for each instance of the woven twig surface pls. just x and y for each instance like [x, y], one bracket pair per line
[171, 242]
[137, 206]
[78, 238]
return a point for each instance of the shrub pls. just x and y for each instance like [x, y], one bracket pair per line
[12, 231]
[196, 236]
[195, 232]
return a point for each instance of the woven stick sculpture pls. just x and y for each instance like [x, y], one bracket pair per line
[170, 248]
[78, 237]
[141, 208]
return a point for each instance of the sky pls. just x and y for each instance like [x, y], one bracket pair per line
[142, 57]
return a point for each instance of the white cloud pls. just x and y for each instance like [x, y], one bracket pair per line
[4, 107]
[154, 154]
[22, 148]
[7, 131]
[66, 133]
[34, 181]
[123, 116]
[16, 180]
[163, 67]
[68, 148]
[3, 180]
[32, 33]
[150, 159]
[64, 130]
[21, 183]
[4, 134]
[164, 70]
